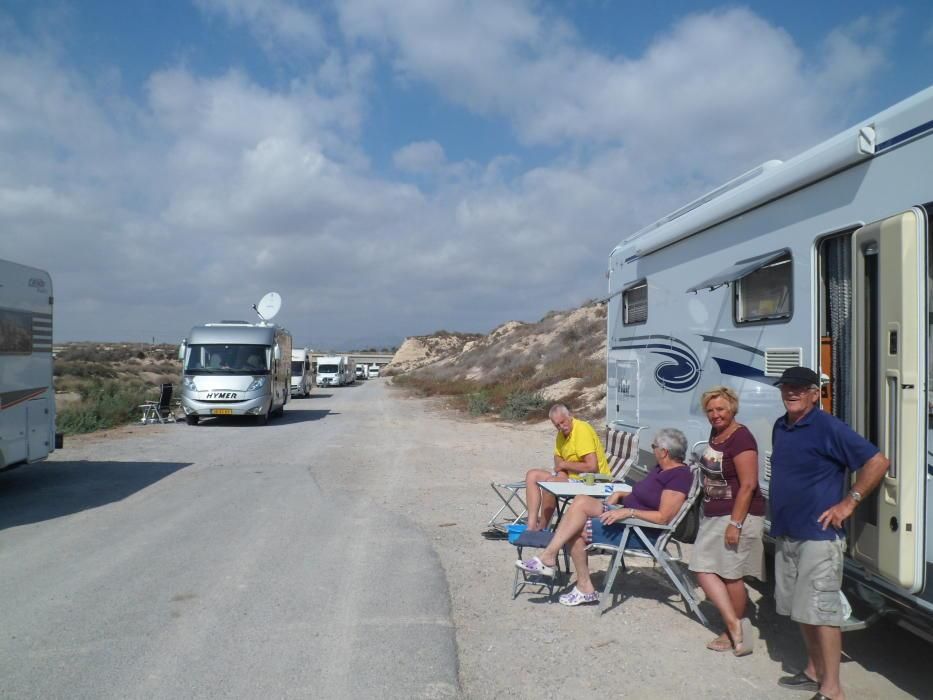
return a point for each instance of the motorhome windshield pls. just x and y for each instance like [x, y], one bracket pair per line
[227, 359]
[298, 367]
[327, 369]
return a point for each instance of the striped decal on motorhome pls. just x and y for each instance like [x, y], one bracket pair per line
[8, 399]
[41, 332]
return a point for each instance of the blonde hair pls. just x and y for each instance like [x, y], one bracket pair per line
[720, 392]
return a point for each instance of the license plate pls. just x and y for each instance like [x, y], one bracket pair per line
[222, 411]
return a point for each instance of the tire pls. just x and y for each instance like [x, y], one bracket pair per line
[192, 420]
[263, 418]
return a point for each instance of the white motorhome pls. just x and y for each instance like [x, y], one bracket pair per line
[374, 370]
[235, 368]
[823, 260]
[302, 374]
[335, 370]
[362, 371]
[27, 395]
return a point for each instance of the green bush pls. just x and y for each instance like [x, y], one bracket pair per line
[519, 405]
[103, 404]
[478, 403]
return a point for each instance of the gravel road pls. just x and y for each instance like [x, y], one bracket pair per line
[337, 553]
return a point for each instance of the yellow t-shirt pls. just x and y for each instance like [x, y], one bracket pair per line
[581, 442]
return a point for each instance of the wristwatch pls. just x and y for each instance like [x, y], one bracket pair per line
[737, 525]
[855, 496]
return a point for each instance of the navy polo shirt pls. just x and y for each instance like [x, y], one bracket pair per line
[809, 460]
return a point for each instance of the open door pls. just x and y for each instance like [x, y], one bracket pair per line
[888, 397]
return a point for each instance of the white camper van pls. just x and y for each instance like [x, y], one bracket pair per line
[302, 374]
[335, 370]
[825, 261]
[362, 371]
[235, 368]
[27, 396]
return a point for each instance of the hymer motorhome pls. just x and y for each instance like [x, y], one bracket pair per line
[823, 260]
[235, 368]
[27, 397]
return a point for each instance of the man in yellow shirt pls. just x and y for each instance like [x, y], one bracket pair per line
[577, 449]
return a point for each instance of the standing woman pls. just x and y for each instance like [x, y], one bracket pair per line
[729, 545]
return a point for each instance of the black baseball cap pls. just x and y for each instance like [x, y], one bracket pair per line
[799, 376]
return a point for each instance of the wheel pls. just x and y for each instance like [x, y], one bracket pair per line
[263, 418]
[191, 420]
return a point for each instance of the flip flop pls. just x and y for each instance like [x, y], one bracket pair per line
[721, 643]
[746, 644]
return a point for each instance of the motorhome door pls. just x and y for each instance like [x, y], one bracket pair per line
[889, 394]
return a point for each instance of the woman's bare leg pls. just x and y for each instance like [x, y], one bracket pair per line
[571, 525]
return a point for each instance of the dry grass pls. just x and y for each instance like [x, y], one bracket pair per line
[504, 373]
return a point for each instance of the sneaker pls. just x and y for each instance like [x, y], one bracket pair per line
[535, 566]
[577, 597]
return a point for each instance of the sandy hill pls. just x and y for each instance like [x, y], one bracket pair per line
[517, 366]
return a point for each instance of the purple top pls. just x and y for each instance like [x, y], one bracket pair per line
[646, 494]
[721, 480]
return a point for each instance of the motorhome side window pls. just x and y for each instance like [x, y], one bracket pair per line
[15, 332]
[765, 294]
[635, 304]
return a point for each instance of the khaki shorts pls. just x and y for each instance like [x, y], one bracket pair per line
[710, 554]
[807, 580]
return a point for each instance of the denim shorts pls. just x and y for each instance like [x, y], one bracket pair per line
[612, 534]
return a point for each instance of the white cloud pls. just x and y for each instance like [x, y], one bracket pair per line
[420, 157]
[190, 203]
[696, 90]
[273, 22]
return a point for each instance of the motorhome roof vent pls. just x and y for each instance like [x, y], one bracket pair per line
[779, 359]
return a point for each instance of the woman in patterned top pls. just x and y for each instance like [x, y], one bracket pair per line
[729, 545]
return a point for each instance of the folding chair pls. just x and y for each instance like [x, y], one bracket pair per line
[621, 453]
[508, 513]
[656, 550]
[538, 540]
[621, 449]
[160, 411]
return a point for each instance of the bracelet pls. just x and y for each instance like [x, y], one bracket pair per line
[736, 525]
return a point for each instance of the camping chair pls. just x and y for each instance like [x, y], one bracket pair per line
[621, 449]
[656, 550]
[160, 411]
[621, 453]
[538, 540]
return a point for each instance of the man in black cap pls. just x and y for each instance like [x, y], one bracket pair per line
[812, 453]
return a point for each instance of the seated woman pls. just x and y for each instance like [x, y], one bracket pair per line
[657, 499]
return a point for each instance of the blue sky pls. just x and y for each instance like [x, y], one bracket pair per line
[393, 168]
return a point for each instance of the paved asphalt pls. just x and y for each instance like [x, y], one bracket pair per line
[224, 561]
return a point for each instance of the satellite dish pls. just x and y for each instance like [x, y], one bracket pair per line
[269, 306]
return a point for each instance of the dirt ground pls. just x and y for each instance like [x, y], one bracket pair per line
[646, 646]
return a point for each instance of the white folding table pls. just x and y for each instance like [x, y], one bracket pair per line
[566, 490]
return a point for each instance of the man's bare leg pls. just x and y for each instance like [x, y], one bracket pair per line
[828, 641]
[814, 667]
[533, 495]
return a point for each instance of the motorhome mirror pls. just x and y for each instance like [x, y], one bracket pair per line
[277, 352]
[181, 348]
[269, 306]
